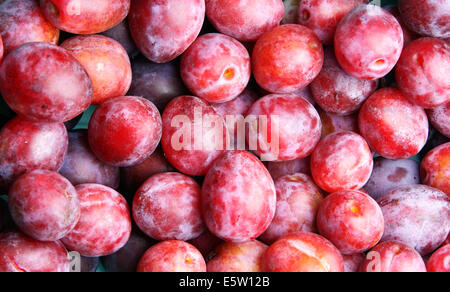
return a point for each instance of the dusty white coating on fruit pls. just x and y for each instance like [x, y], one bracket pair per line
[422, 72]
[435, 168]
[172, 256]
[303, 251]
[393, 256]
[416, 215]
[337, 92]
[163, 30]
[192, 160]
[298, 122]
[323, 16]
[125, 131]
[342, 161]
[216, 68]
[440, 118]
[105, 223]
[167, 207]
[440, 260]
[106, 62]
[81, 166]
[352, 263]
[287, 58]
[298, 200]
[21, 21]
[245, 20]
[393, 127]
[44, 205]
[310, 251]
[427, 17]
[367, 55]
[389, 174]
[351, 220]
[44, 82]
[236, 107]
[27, 145]
[238, 197]
[19, 253]
[85, 17]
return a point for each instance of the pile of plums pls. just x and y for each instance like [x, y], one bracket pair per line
[225, 136]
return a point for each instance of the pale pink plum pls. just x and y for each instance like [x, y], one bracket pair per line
[341, 161]
[132, 177]
[125, 131]
[298, 201]
[408, 35]
[189, 151]
[423, 72]
[126, 259]
[337, 92]
[27, 145]
[440, 119]
[440, 260]
[389, 174]
[172, 256]
[353, 263]
[282, 168]
[21, 22]
[293, 127]
[287, 58]
[435, 168]
[290, 12]
[237, 257]
[122, 34]
[216, 68]
[44, 82]
[159, 83]
[106, 62]
[167, 207]
[332, 123]
[238, 197]
[393, 127]
[416, 215]
[427, 17]
[163, 30]
[245, 20]
[20, 253]
[105, 223]
[323, 16]
[303, 252]
[44, 205]
[206, 242]
[351, 220]
[82, 167]
[368, 42]
[392, 256]
[85, 17]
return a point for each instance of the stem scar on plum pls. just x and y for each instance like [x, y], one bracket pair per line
[229, 74]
